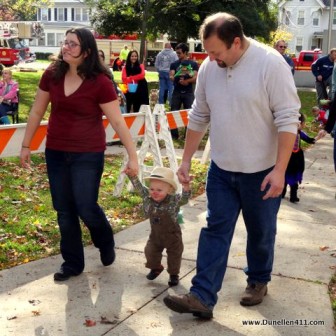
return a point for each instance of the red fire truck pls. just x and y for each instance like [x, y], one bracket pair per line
[13, 40]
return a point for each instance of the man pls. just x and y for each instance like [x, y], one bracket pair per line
[322, 70]
[252, 135]
[183, 73]
[162, 64]
[281, 46]
[124, 53]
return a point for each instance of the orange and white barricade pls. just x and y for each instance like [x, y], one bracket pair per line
[11, 136]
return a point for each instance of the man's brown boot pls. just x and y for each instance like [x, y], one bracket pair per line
[254, 294]
[188, 303]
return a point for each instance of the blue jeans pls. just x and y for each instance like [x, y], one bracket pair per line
[165, 84]
[228, 193]
[4, 108]
[74, 180]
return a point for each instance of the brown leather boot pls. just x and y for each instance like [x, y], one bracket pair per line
[254, 294]
[188, 303]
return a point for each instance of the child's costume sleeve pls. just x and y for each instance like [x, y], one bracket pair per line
[141, 189]
[305, 137]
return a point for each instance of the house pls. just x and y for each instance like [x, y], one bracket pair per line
[308, 22]
[56, 19]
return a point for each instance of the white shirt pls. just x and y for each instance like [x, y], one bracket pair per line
[247, 104]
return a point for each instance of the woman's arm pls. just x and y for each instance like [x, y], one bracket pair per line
[124, 75]
[138, 77]
[36, 114]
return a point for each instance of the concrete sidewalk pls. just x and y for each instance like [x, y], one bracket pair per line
[128, 304]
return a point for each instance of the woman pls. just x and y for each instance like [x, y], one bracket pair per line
[134, 72]
[80, 90]
[8, 95]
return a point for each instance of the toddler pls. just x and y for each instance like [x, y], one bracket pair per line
[161, 205]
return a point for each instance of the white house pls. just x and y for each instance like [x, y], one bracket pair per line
[308, 21]
[56, 19]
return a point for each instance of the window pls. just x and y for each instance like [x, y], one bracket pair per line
[299, 42]
[86, 14]
[50, 39]
[316, 19]
[334, 18]
[300, 20]
[59, 38]
[78, 16]
[44, 14]
[41, 42]
[61, 14]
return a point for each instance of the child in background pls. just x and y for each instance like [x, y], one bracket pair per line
[296, 164]
[162, 205]
[320, 115]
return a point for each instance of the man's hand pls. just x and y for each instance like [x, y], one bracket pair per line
[276, 181]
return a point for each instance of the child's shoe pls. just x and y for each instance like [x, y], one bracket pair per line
[173, 280]
[154, 273]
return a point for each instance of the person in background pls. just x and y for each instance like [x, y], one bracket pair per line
[134, 73]
[80, 91]
[322, 69]
[8, 95]
[320, 115]
[161, 204]
[183, 73]
[162, 64]
[246, 173]
[281, 46]
[123, 54]
[296, 164]
[121, 96]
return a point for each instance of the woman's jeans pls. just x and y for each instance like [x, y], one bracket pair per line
[74, 185]
[228, 193]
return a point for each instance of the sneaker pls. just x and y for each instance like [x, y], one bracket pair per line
[173, 280]
[154, 273]
[188, 303]
[254, 294]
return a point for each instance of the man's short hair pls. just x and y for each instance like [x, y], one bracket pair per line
[226, 26]
[182, 46]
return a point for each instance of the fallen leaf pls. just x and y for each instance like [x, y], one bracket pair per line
[11, 318]
[90, 323]
[36, 312]
[323, 248]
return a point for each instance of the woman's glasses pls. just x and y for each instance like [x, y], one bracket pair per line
[69, 44]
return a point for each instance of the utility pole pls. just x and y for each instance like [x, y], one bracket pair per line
[143, 50]
[331, 19]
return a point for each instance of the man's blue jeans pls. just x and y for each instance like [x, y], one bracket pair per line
[229, 193]
[74, 185]
[165, 84]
